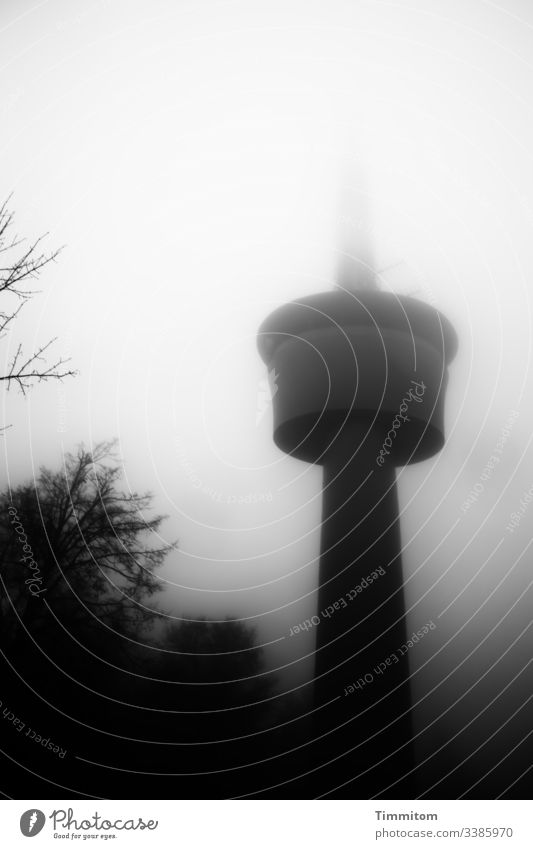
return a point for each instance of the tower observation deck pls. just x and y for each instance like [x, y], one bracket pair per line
[361, 379]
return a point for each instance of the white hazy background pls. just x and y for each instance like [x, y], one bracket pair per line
[190, 156]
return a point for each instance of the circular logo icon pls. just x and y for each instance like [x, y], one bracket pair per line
[31, 822]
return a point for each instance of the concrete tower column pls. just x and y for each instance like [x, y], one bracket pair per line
[361, 377]
[361, 661]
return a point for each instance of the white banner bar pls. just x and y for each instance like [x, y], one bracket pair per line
[267, 824]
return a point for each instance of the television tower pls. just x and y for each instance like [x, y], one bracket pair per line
[361, 378]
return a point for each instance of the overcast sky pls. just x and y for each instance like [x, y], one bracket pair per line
[190, 157]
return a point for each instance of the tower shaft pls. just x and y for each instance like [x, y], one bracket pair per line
[362, 670]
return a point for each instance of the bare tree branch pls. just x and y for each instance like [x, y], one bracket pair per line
[19, 268]
[24, 373]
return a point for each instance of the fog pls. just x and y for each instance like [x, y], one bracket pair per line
[191, 158]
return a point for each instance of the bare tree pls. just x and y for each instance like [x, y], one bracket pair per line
[20, 265]
[73, 540]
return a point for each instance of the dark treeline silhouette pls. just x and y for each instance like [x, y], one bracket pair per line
[103, 694]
